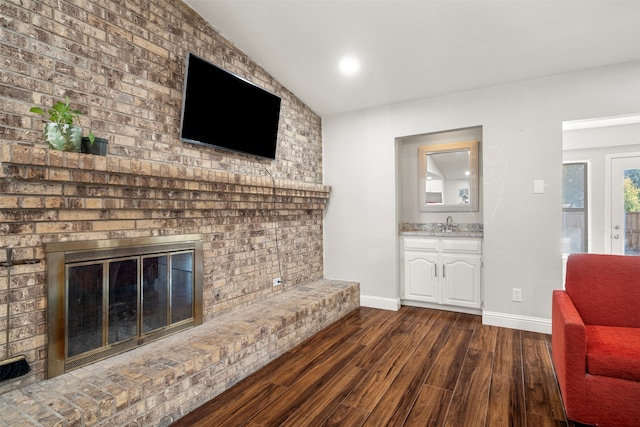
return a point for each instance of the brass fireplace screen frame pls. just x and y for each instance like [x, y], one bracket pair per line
[62, 254]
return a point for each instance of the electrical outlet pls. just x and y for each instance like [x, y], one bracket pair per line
[516, 294]
[277, 281]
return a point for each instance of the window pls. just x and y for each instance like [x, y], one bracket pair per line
[574, 208]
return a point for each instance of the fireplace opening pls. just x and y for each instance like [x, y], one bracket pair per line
[109, 296]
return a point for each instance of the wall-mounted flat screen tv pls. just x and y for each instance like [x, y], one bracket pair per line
[223, 110]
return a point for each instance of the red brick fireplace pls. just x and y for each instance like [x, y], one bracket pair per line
[109, 296]
[122, 65]
[52, 197]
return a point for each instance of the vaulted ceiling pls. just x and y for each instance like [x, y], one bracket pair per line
[417, 49]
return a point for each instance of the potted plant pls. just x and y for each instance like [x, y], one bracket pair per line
[94, 145]
[60, 131]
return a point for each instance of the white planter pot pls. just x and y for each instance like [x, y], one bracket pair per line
[63, 137]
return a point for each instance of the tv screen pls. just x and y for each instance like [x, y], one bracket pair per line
[223, 110]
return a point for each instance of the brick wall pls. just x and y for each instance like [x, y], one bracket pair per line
[122, 64]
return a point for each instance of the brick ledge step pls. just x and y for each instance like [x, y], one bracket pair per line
[164, 380]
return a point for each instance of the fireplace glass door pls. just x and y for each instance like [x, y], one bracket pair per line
[155, 293]
[107, 297]
[85, 290]
[117, 300]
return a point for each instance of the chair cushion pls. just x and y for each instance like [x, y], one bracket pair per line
[604, 288]
[613, 352]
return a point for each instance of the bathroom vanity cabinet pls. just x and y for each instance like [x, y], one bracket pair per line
[442, 271]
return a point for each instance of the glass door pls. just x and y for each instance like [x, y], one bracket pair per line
[625, 205]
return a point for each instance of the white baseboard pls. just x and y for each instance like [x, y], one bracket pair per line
[514, 321]
[505, 320]
[392, 304]
[434, 306]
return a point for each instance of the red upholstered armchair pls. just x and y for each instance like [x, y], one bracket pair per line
[596, 339]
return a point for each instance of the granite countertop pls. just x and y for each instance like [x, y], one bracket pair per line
[474, 230]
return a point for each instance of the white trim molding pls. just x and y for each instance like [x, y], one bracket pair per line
[515, 321]
[444, 307]
[392, 304]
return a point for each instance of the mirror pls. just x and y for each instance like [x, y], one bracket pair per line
[448, 177]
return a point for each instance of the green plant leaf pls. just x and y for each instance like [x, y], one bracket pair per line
[60, 112]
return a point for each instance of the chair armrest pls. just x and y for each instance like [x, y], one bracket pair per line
[569, 345]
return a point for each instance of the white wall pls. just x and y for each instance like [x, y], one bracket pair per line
[522, 141]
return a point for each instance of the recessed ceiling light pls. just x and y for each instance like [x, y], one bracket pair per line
[349, 65]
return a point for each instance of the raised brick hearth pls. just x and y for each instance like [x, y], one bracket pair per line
[157, 384]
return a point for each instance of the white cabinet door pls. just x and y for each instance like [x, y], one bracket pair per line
[461, 278]
[421, 276]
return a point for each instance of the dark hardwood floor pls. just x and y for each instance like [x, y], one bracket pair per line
[414, 367]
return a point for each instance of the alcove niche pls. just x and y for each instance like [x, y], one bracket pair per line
[409, 179]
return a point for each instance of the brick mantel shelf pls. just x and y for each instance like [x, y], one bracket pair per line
[42, 164]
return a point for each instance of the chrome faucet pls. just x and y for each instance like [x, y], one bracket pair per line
[449, 226]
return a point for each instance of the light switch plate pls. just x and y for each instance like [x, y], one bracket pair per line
[538, 186]
[516, 294]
